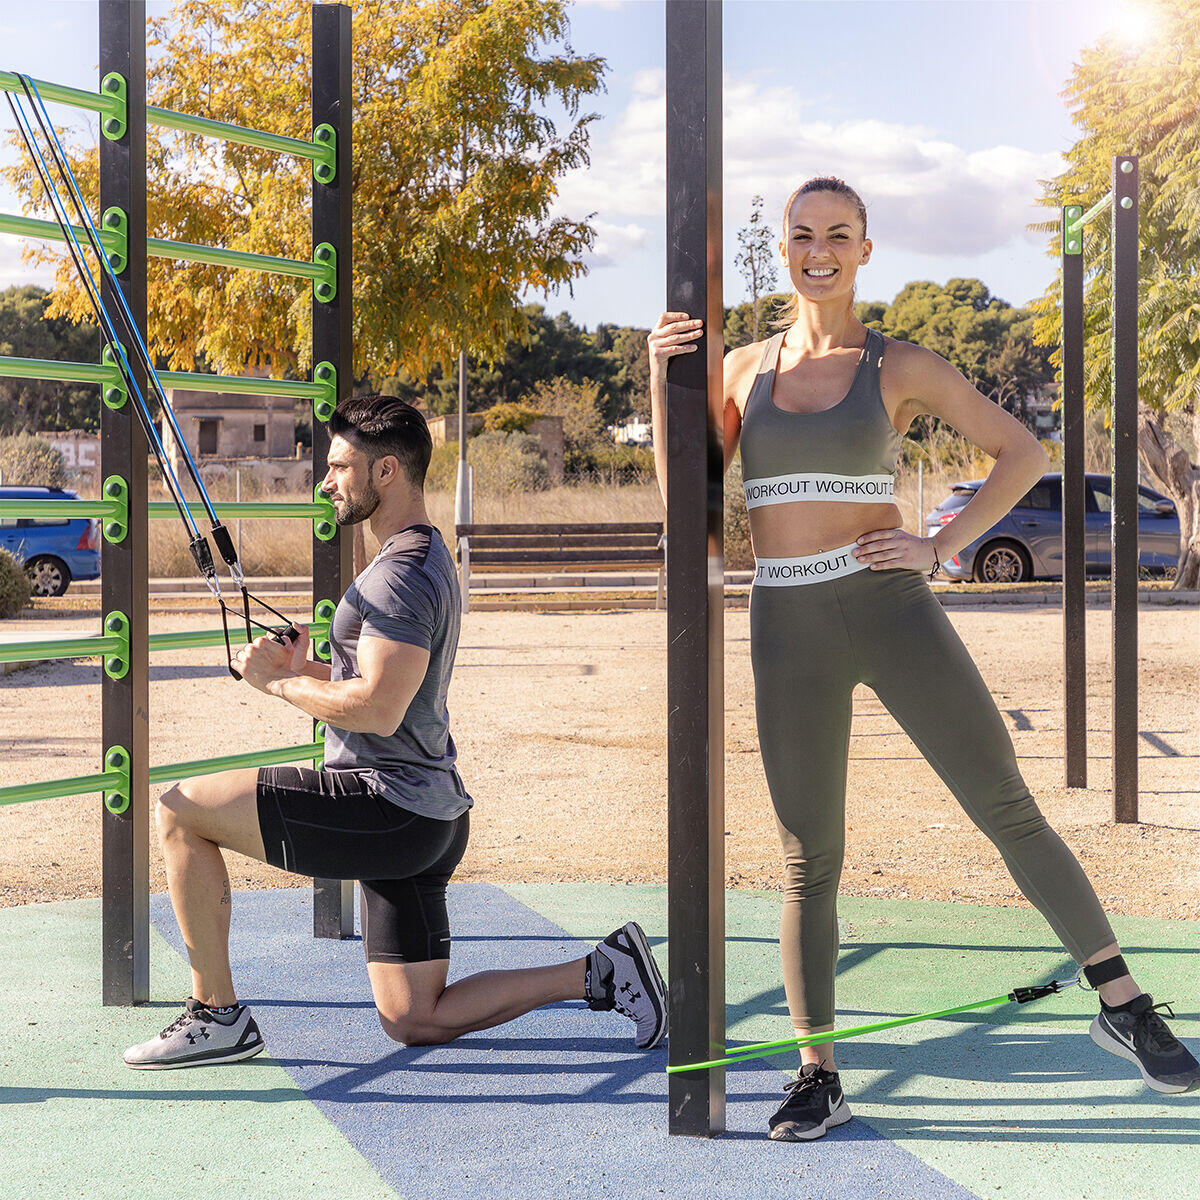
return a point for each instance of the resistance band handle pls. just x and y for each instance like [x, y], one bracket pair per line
[285, 637]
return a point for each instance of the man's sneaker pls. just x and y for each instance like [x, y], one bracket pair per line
[1139, 1034]
[198, 1039]
[813, 1103]
[622, 974]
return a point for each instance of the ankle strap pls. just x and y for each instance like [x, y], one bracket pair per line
[1106, 971]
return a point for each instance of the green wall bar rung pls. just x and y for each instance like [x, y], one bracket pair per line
[218, 256]
[110, 104]
[63, 508]
[245, 509]
[60, 789]
[48, 231]
[239, 385]
[196, 639]
[230, 762]
[44, 368]
[166, 118]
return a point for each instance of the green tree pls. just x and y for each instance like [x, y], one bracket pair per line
[1145, 101]
[579, 406]
[29, 461]
[457, 160]
[26, 332]
[757, 258]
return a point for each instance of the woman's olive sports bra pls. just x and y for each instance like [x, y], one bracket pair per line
[844, 453]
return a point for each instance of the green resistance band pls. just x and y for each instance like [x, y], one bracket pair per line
[1021, 995]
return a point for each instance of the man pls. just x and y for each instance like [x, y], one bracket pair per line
[388, 808]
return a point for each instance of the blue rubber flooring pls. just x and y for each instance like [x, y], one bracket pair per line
[557, 1103]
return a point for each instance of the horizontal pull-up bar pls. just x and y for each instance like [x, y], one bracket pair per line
[1091, 214]
[239, 509]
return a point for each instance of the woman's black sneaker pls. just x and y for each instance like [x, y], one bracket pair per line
[1135, 1031]
[813, 1104]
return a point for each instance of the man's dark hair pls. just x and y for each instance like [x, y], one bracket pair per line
[381, 425]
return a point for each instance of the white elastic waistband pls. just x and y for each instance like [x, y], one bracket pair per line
[808, 568]
[786, 489]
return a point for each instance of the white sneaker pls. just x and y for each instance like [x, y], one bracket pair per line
[622, 974]
[197, 1039]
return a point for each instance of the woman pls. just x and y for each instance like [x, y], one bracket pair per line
[840, 597]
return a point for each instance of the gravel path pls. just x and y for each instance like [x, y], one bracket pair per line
[560, 722]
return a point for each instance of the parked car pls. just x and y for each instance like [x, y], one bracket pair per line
[1027, 543]
[53, 550]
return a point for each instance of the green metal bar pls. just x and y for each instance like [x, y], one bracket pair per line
[90, 644]
[44, 651]
[73, 372]
[236, 385]
[1091, 213]
[45, 368]
[229, 762]
[62, 508]
[218, 256]
[245, 509]
[165, 118]
[48, 231]
[93, 101]
[195, 639]
[52, 789]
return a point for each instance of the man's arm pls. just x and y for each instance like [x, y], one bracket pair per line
[374, 701]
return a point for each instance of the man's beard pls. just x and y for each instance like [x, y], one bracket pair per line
[354, 511]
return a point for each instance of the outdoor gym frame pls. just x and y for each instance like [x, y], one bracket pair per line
[1123, 199]
[126, 642]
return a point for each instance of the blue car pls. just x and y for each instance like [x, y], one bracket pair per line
[1027, 543]
[53, 550]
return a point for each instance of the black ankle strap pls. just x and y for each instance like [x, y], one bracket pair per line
[1106, 971]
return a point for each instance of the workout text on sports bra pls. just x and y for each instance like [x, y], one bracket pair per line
[812, 485]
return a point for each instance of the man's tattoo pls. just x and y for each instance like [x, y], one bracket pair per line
[225, 898]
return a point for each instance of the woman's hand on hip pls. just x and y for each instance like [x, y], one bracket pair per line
[892, 549]
[674, 333]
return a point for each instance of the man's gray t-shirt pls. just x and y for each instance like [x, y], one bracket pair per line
[408, 593]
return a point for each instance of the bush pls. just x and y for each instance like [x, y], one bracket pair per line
[29, 461]
[15, 588]
[510, 418]
[502, 462]
[612, 464]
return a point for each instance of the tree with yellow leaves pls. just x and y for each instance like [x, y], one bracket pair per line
[1143, 99]
[456, 166]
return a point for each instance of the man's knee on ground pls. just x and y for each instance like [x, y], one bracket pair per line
[413, 1028]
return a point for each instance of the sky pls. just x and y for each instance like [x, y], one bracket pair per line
[943, 114]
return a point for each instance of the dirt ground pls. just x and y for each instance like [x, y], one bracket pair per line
[560, 721]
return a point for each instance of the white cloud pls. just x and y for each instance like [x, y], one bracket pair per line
[615, 243]
[924, 194]
[14, 272]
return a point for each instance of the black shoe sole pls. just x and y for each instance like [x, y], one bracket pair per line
[654, 983]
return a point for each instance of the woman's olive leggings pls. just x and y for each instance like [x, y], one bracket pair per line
[810, 644]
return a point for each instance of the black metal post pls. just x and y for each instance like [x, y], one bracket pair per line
[125, 702]
[1124, 487]
[695, 572]
[1073, 504]
[332, 331]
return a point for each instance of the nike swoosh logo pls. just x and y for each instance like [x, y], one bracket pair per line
[1125, 1041]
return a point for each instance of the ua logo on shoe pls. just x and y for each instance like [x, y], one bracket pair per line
[191, 1037]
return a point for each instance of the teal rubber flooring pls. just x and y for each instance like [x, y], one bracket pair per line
[1012, 1101]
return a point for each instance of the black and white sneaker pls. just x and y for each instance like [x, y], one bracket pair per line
[1136, 1032]
[198, 1038]
[622, 974]
[813, 1104]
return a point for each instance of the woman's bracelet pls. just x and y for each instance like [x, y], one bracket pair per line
[937, 563]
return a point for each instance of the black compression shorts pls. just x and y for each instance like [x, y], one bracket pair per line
[330, 825]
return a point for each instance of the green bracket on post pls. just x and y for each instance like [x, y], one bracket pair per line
[325, 374]
[116, 391]
[114, 125]
[117, 526]
[116, 666]
[325, 288]
[319, 736]
[1072, 242]
[115, 229]
[116, 800]
[324, 612]
[325, 168]
[324, 526]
